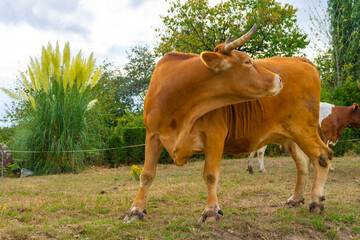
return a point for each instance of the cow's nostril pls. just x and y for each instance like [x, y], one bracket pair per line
[279, 78]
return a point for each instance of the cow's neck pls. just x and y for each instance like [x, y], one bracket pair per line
[341, 121]
[197, 109]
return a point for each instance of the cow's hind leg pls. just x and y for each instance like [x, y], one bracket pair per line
[302, 168]
[261, 154]
[250, 163]
[321, 169]
[320, 156]
[153, 148]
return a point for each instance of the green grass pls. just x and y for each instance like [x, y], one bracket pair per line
[92, 204]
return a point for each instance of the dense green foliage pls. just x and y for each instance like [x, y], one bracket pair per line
[195, 26]
[339, 65]
[5, 134]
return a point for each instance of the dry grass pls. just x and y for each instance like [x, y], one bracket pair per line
[91, 205]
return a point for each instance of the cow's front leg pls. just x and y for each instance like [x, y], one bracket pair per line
[211, 171]
[153, 148]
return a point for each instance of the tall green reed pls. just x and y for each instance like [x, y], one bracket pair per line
[55, 123]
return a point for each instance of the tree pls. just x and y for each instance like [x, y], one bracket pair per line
[125, 89]
[344, 30]
[106, 92]
[339, 63]
[135, 81]
[324, 63]
[195, 26]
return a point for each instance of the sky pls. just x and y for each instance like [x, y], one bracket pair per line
[108, 28]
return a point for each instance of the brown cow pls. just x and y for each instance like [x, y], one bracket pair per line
[333, 120]
[188, 110]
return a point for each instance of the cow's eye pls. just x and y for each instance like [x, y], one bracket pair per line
[249, 62]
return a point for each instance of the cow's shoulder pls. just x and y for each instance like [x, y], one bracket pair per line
[305, 60]
[175, 56]
[286, 62]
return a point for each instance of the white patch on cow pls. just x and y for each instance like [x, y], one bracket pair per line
[261, 153]
[325, 111]
[331, 143]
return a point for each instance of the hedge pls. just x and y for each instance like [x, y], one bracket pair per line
[125, 137]
[124, 154]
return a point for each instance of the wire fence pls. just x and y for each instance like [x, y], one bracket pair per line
[349, 140]
[73, 151]
[100, 150]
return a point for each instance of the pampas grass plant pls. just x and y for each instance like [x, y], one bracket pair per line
[55, 125]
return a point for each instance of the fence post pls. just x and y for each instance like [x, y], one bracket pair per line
[2, 166]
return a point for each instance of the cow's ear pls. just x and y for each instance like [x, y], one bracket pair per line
[215, 61]
[355, 106]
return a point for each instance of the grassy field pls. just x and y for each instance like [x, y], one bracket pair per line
[92, 204]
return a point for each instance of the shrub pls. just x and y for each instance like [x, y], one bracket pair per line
[13, 170]
[273, 150]
[132, 137]
[135, 172]
[5, 134]
[126, 141]
[55, 124]
[113, 156]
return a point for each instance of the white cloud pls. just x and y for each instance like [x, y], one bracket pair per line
[115, 23]
[45, 14]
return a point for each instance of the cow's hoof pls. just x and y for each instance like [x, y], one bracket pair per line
[316, 207]
[250, 170]
[211, 215]
[294, 203]
[134, 215]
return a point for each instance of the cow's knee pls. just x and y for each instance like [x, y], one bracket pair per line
[210, 178]
[146, 178]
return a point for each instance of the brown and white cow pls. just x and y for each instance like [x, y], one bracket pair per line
[333, 120]
[192, 106]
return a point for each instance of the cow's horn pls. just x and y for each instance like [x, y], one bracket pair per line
[240, 41]
[228, 40]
